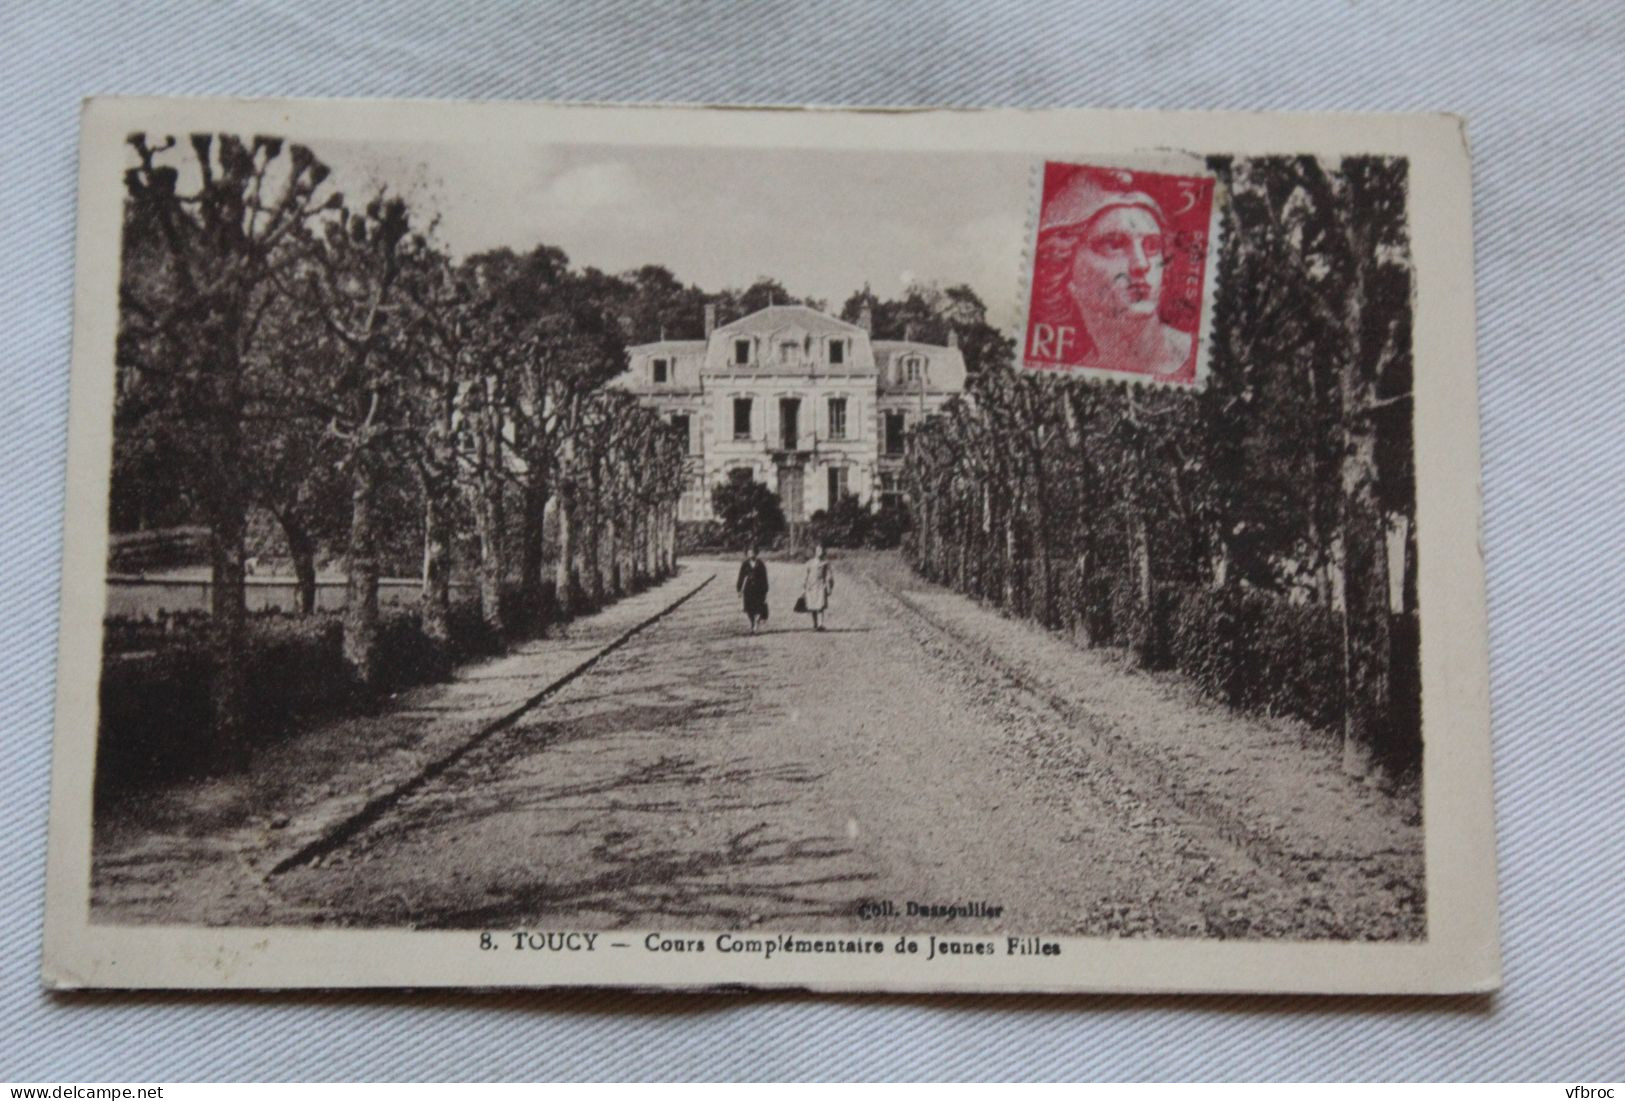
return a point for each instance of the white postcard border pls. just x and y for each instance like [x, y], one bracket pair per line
[1461, 952]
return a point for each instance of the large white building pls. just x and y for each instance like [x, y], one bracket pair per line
[808, 403]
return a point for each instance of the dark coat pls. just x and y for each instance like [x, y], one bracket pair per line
[752, 585]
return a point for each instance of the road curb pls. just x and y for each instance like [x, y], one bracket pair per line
[336, 835]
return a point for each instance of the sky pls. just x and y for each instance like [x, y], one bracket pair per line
[822, 222]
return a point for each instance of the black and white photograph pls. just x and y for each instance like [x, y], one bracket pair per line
[632, 548]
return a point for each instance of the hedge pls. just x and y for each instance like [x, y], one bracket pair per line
[1249, 649]
[156, 719]
[1257, 652]
[1253, 651]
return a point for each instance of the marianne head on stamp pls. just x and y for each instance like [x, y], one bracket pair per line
[1117, 274]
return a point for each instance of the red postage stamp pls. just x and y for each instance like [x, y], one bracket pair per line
[1120, 279]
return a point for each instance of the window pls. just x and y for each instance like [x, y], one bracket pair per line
[837, 484]
[662, 369]
[741, 418]
[895, 426]
[837, 418]
[913, 369]
[789, 351]
[890, 493]
[789, 423]
[741, 351]
[837, 352]
[680, 423]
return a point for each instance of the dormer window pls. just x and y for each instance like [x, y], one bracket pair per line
[913, 369]
[789, 351]
[662, 370]
[837, 352]
[741, 351]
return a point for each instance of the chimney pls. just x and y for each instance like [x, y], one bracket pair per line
[866, 319]
[908, 331]
[710, 318]
[953, 338]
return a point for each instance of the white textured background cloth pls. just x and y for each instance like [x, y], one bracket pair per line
[1541, 86]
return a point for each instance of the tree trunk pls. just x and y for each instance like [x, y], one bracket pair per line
[592, 555]
[1140, 556]
[533, 544]
[228, 640]
[1084, 612]
[657, 539]
[982, 552]
[1409, 595]
[1045, 612]
[1366, 647]
[646, 544]
[1009, 593]
[1367, 655]
[302, 550]
[650, 546]
[651, 550]
[662, 543]
[488, 527]
[930, 537]
[657, 542]
[612, 553]
[628, 538]
[564, 581]
[227, 504]
[361, 583]
[1326, 554]
[963, 581]
[488, 524]
[435, 602]
[671, 536]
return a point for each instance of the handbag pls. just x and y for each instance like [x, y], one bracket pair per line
[801, 604]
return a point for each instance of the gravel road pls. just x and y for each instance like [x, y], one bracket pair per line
[923, 750]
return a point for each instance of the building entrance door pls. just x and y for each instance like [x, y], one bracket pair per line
[790, 492]
[789, 423]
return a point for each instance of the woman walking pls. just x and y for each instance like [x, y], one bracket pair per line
[820, 582]
[752, 586]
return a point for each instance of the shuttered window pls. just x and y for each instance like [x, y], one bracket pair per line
[837, 418]
[837, 484]
[895, 425]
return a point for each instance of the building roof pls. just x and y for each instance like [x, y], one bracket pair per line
[694, 360]
[672, 347]
[946, 373]
[790, 370]
[774, 318]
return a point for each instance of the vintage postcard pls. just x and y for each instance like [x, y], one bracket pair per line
[532, 545]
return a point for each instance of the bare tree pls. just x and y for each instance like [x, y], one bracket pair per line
[350, 284]
[213, 231]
